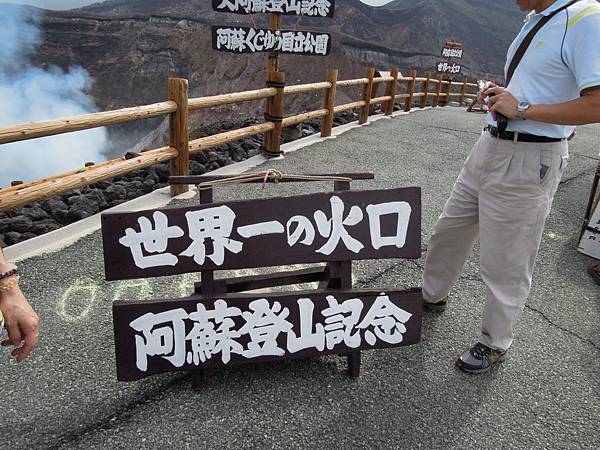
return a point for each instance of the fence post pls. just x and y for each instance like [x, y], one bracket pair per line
[410, 90]
[463, 91]
[438, 91]
[391, 91]
[274, 113]
[329, 103]
[178, 132]
[425, 89]
[367, 92]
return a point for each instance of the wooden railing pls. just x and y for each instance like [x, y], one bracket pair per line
[179, 105]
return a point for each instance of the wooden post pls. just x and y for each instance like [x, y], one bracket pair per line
[391, 91]
[410, 91]
[273, 58]
[438, 91]
[274, 113]
[329, 103]
[463, 91]
[178, 132]
[367, 92]
[425, 89]
[446, 91]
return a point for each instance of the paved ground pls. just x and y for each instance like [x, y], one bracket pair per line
[547, 395]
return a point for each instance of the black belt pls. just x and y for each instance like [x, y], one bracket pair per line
[521, 137]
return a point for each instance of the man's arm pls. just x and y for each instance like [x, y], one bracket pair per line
[581, 111]
[20, 320]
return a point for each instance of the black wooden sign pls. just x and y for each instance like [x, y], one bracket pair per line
[449, 67]
[199, 332]
[256, 40]
[311, 8]
[337, 226]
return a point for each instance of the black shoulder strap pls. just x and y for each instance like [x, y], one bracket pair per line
[527, 41]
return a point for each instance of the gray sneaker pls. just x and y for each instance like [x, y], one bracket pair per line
[436, 307]
[479, 359]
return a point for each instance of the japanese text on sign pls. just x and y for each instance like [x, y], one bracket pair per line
[452, 52]
[217, 225]
[253, 40]
[446, 67]
[314, 8]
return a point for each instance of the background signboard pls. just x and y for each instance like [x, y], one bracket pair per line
[451, 68]
[256, 40]
[198, 332]
[311, 8]
[337, 226]
[452, 52]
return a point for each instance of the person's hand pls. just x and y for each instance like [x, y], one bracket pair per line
[481, 95]
[21, 322]
[502, 102]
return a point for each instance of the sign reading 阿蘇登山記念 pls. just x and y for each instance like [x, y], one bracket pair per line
[200, 332]
[255, 40]
[336, 226]
[452, 52]
[311, 8]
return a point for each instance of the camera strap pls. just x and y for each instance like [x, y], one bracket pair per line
[528, 39]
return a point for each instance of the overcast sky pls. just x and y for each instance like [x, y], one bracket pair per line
[68, 4]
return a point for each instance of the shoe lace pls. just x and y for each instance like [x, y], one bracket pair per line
[481, 351]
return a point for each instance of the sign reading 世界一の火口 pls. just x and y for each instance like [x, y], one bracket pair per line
[338, 226]
[200, 332]
[255, 40]
[446, 67]
[452, 52]
[311, 8]
[590, 240]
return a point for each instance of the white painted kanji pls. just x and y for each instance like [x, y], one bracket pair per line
[334, 228]
[216, 225]
[302, 227]
[307, 338]
[154, 239]
[401, 212]
[264, 324]
[384, 321]
[166, 341]
[340, 320]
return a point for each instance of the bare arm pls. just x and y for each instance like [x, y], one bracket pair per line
[20, 320]
[581, 111]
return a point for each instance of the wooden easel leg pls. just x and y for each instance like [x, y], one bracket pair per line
[354, 364]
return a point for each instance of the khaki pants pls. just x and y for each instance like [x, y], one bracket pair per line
[503, 194]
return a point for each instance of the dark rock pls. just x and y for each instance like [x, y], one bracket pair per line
[44, 226]
[35, 213]
[101, 185]
[115, 192]
[12, 238]
[162, 170]
[15, 212]
[237, 153]
[151, 175]
[116, 203]
[62, 216]
[249, 145]
[134, 189]
[26, 236]
[196, 168]
[3, 215]
[148, 186]
[131, 155]
[20, 224]
[212, 166]
[81, 207]
[138, 174]
[53, 204]
[200, 157]
[67, 195]
[97, 196]
[253, 152]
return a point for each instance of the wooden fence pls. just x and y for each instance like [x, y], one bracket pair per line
[178, 106]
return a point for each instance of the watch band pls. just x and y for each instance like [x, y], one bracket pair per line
[10, 273]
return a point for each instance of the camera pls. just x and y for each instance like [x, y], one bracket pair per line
[501, 119]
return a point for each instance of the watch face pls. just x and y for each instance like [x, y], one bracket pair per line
[523, 106]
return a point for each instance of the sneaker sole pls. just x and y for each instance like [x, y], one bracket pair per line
[478, 371]
[434, 307]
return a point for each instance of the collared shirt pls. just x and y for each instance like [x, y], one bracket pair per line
[562, 62]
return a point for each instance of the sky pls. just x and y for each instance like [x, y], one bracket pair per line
[68, 4]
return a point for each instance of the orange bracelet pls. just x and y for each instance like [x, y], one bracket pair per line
[5, 287]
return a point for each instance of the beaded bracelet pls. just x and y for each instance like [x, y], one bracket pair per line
[10, 273]
[5, 287]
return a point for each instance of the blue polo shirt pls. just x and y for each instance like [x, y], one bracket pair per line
[562, 62]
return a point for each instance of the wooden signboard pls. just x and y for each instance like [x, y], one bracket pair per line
[200, 332]
[311, 8]
[256, 40]
[590, 240]
[337, 226]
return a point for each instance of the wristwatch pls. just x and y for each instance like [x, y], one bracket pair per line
[521, 108]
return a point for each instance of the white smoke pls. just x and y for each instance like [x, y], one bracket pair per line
[29, 94]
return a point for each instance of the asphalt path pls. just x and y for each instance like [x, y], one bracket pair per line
[546, 395]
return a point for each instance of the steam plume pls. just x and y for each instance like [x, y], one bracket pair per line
[31, 94]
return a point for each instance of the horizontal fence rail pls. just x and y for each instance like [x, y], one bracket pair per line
[179, 105]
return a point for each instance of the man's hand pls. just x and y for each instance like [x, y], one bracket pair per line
[481, 95]
[502, 102]
[21, 322]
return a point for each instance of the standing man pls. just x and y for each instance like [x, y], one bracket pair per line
[20, 320]
[505, 189]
